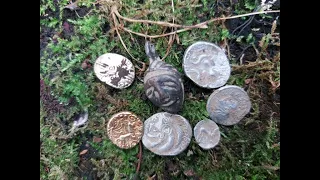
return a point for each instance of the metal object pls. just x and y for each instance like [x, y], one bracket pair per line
[125, 129]
[166, 134]
[206, 65]
[228, 105]
[207, 134]
[162, 83]
[115, 70]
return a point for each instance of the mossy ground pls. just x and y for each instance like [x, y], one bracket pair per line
[70, 42]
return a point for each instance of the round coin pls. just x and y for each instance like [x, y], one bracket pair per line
[115, 70]
[125, 129]
[207, 134]
[228, 105]
[166, 134]
[206, 64]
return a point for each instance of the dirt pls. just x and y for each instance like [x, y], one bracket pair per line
[67, 29]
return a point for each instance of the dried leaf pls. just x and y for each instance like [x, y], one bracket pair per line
[96, 139]
[274, 26]
[72, 6]
[189, 172]
[83, 152]
[274, 168]
[66, 27]
[248, 81]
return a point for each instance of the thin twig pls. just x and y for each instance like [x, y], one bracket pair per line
[140, 157]
[116, 25]
[190, 27]
[172, 37]
[155, 36]
[125, 47]
[161, 23]
[200, 25]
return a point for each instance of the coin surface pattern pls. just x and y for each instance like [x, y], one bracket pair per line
[166, 134]
[228, 105]
[125, 129]
[207, 134]
[206, 64]
[115, 70]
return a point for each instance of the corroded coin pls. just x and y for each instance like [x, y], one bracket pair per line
[228, 105]
[166, 134]
[163, 83]
[125, 129]
[206, 64]
[207, 134]
[115, 70]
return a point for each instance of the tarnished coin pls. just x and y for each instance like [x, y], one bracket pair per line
[166, 134]
[228, 105]
[125, 129]
[207, 134]
[115, 70]
[206, 64]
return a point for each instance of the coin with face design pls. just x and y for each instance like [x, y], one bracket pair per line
[228, 105]
[166, 134]
[125, 129]
[115, 70]
[207, 134]
[206, 64]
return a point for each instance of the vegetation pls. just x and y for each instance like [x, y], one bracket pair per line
[72, 37]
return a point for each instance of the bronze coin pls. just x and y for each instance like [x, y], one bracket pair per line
[125, 129]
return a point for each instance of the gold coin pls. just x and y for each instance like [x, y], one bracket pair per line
[125, 129]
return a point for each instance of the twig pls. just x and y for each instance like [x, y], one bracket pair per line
[187, 28]
[172, 37]
[155, 36]
[140, 157]
[161, 23]
[125, 47]
[200, 25]
[171, 40]
[116, 27]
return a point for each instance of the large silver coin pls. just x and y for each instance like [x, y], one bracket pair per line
[166, 134]
[228, 105]
[206, 64]
[207, 134]
[115, 70]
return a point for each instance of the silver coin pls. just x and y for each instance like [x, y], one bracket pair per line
[207, 134]
[115, 70]
[166, 134]
[228, 105]
[206, 64]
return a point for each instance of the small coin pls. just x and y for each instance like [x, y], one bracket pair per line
[228, 105]
[166, 134]
[206, 64]
[207, 134]
[115, 70]
[125, 129]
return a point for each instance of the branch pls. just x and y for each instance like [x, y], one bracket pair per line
[140, 157]
[155, 36]
[123, 44]
[186, 28]
[200, 25]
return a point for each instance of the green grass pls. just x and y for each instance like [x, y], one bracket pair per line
[248, 150]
